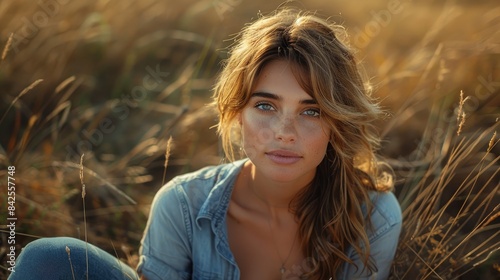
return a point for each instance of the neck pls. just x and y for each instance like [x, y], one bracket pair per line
[274, 196]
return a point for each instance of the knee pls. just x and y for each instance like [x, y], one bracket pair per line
[51, 249]
[45, 256]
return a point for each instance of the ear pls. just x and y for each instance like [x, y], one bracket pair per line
[239, 118]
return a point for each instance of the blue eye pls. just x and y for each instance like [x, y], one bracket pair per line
[264, 106]
[311, 112]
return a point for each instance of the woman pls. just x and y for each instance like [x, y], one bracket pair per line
[307, 200]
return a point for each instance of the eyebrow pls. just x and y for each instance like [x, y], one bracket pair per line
[278, 98]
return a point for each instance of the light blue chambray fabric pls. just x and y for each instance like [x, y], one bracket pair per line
[186, 235]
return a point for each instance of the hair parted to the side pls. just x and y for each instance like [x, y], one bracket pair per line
[329, 210]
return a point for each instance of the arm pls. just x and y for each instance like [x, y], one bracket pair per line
[387, 222]
[165, 247]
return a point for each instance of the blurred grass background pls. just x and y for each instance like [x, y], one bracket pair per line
[121, 77]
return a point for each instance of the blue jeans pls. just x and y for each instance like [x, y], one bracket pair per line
[47, 258]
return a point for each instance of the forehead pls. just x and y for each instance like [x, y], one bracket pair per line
[282, 76]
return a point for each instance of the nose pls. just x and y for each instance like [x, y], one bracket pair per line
[285, 129]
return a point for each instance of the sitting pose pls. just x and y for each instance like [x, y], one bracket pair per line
[302, 197]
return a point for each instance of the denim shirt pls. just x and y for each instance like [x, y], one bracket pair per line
[186, 235]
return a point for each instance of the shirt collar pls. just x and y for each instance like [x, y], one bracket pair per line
[215, 206]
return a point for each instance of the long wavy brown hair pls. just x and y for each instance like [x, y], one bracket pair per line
[329, 211]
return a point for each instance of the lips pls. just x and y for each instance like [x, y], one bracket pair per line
[283, 156]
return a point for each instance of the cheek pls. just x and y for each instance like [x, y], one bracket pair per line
[316, 137]
[255, 131]
[249, 135]
[320, 144]
[315, 131]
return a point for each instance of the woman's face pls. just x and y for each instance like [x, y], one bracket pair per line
[281, 128]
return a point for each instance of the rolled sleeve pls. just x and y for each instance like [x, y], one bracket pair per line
[165, 247]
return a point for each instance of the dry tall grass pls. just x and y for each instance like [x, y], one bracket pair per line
[116, 79]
